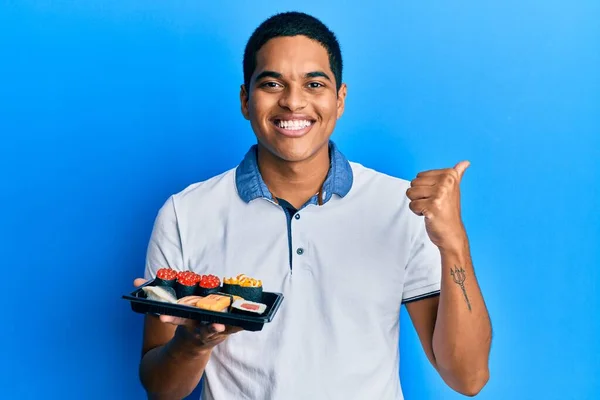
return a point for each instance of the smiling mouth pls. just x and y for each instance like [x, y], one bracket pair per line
[293, 125]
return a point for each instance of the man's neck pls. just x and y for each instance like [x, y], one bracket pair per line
[296, 182]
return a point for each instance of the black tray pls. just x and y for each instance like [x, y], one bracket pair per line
[140, 304]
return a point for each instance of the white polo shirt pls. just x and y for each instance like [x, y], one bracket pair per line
[344, 267]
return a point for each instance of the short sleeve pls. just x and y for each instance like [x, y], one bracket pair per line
[424, 268]
[164, 248]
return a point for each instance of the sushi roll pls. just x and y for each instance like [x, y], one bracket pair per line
[208, 284]
[185, 275]
[245, 287]
[166, 277]
[248, 307]
[186, 284]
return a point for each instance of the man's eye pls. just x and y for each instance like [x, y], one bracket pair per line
[271, 85]
[315, 85]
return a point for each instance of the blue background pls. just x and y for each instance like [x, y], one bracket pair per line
[108, 107]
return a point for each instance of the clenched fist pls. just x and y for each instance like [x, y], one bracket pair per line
[435, 195]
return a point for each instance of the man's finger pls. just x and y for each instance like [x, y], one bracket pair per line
[420, 207]
[217, 328]
[420, 192]
[232, 329]
[434, 172]
[461, 167]
[215, 332]
[169, 319]
[206, 330]
[139, 282]
[424, 181]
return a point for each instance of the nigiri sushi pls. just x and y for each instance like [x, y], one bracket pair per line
[160, 293]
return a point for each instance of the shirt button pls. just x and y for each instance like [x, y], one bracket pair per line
[300, 251]
[297, 216]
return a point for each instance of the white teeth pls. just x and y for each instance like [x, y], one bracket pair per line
[294, 124]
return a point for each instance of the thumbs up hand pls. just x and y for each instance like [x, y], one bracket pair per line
[435, 195]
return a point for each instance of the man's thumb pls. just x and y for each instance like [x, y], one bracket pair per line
[461, 168]
[139, 282]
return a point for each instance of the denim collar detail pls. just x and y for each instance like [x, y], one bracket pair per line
[250, 185]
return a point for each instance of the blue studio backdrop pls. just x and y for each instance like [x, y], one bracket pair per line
[108, 107]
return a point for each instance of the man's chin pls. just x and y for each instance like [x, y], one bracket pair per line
[292, 156]
[291, 152]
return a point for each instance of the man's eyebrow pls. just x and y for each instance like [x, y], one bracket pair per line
[318, 74]
[277, 75]
[268, 74]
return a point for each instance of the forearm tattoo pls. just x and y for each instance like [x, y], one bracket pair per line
[459, 276]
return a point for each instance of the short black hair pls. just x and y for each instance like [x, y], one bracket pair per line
[293, 24]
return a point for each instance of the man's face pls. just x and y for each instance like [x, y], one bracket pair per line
[293, 105]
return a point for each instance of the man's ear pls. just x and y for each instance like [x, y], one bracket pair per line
[244, 102]
[341, 100]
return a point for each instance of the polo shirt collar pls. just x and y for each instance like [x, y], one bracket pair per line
[251, 186]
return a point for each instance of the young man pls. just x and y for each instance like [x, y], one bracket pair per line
[346, 245]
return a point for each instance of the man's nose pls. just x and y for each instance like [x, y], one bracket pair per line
[293, 98]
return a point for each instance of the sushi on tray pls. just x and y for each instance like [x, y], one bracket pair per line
[240, 294]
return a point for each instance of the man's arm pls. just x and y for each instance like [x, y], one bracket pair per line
[172, 363]
[175, 352]
[169, 370]
[454, 328]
